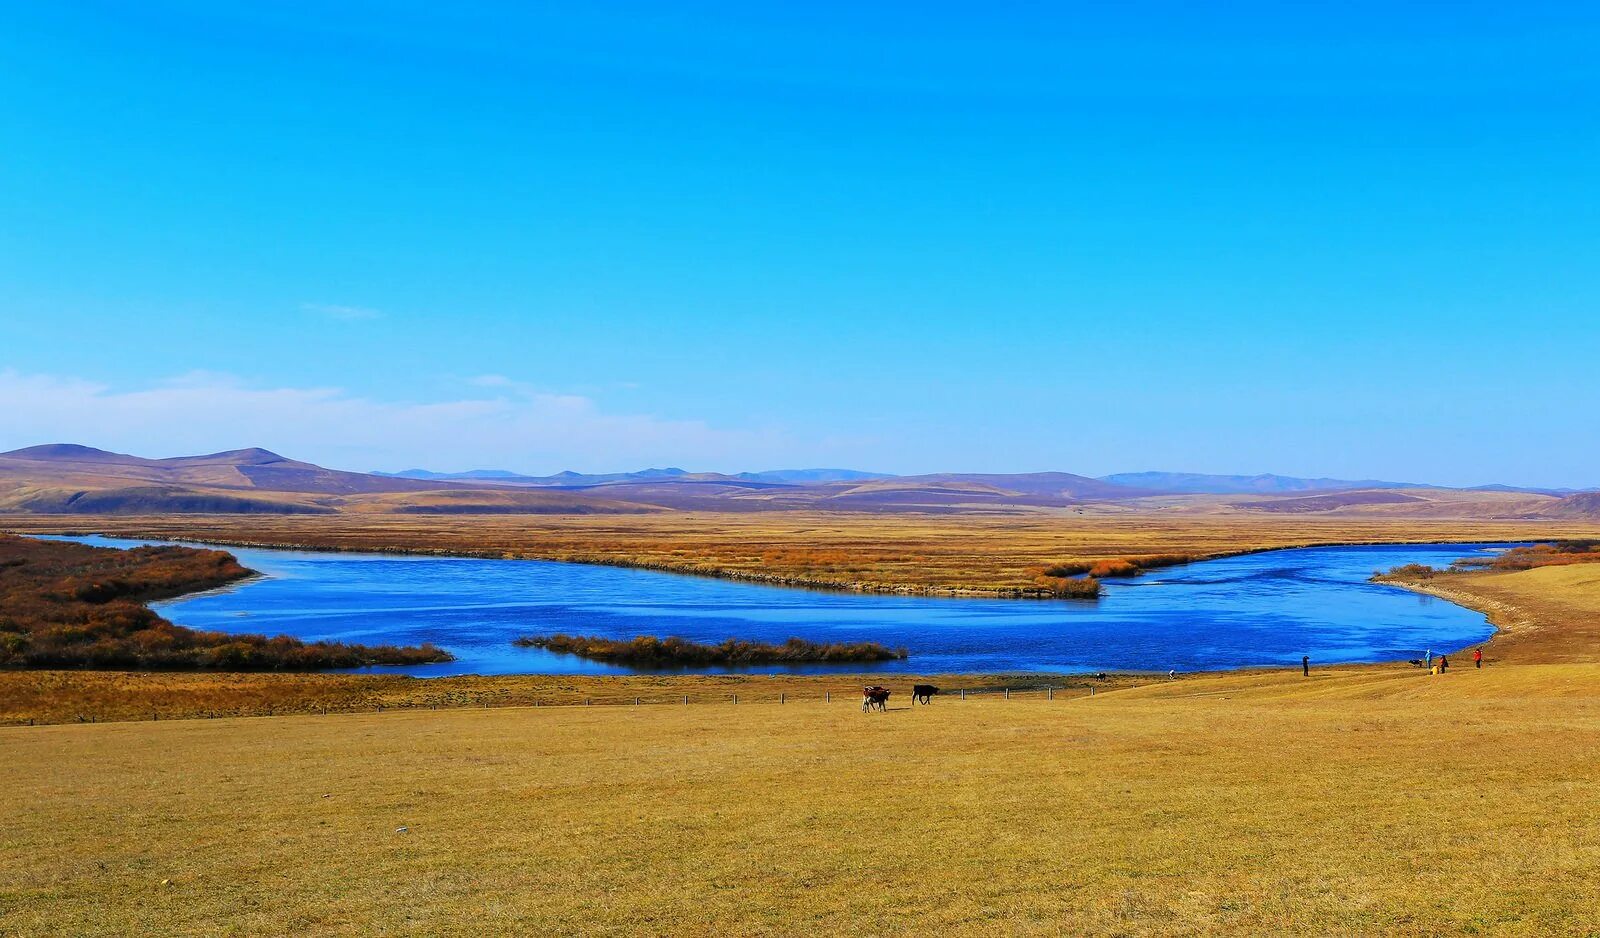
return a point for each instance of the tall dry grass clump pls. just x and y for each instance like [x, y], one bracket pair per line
[651, 651]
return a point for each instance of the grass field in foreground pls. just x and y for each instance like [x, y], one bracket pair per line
[1350, 802]
[1361, 800]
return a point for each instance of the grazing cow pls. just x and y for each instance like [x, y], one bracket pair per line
[923, 693]
[874, 695]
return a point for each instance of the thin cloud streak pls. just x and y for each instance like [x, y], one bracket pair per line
[506, 427]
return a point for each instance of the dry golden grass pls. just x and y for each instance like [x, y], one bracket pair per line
[962, 553]
[1363, 800]
[1357, 802]
[37, 697]
[1548, 614]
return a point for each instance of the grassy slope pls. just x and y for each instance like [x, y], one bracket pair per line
[1549, 614]
[1350, 802]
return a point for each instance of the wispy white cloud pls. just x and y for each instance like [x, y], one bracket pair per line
[341, 312]
[507, 424]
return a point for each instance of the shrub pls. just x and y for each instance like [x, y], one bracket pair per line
[650, 651]
[1413, 571]
[1120, 567]
[70, 605]
[1069, 587]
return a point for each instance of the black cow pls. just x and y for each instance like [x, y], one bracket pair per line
[923, 693]
[874, 695]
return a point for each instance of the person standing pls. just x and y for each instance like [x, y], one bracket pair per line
[1477, 658]
[1427, 660]
[1305, 665]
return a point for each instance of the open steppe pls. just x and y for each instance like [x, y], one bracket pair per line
[1359, 801]
[974, 552]
[1373, 799]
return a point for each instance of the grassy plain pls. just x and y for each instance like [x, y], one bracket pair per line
[1361, 801]
[955, 553]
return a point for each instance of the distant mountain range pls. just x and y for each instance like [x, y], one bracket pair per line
[67, 478]
[1199, 483]
[775, 476]
[1172, 483]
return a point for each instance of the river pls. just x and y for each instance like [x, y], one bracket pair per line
[1253, 610]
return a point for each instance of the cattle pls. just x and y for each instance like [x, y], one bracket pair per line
[874, 695]
[923, 693]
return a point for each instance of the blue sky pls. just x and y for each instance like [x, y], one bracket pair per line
[1359, 240]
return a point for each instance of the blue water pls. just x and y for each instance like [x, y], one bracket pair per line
[1259, 609]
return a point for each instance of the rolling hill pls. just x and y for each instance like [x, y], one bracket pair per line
[1200, 483]
[71, 479]
[80, 480]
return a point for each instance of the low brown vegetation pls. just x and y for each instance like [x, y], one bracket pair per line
[1409, 571]
[1559, 553]
[970, 554]
[651, 652]
[68, 605]
[1068, 587]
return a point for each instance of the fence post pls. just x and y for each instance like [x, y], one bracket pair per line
[963, 693]
[827, 696]
[735, 698]
[686, 700]
[636, 701]
[783, 698]
[1091, 691]
[1008, 693]
[1050, 693]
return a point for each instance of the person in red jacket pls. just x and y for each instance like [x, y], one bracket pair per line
[1477, 657]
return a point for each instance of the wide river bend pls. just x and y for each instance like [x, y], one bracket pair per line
[1253, 610]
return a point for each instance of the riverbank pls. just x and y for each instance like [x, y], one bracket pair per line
[43, 697]
[1544, 615]
[70, 605]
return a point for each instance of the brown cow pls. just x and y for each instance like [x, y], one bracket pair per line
[874, 695]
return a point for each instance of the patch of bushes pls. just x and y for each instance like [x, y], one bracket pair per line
[1410, 571]
[1118, 567]
[1069, 587]
[650, 651]
[1060, 576]
[68, 605]
[1556, 554]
